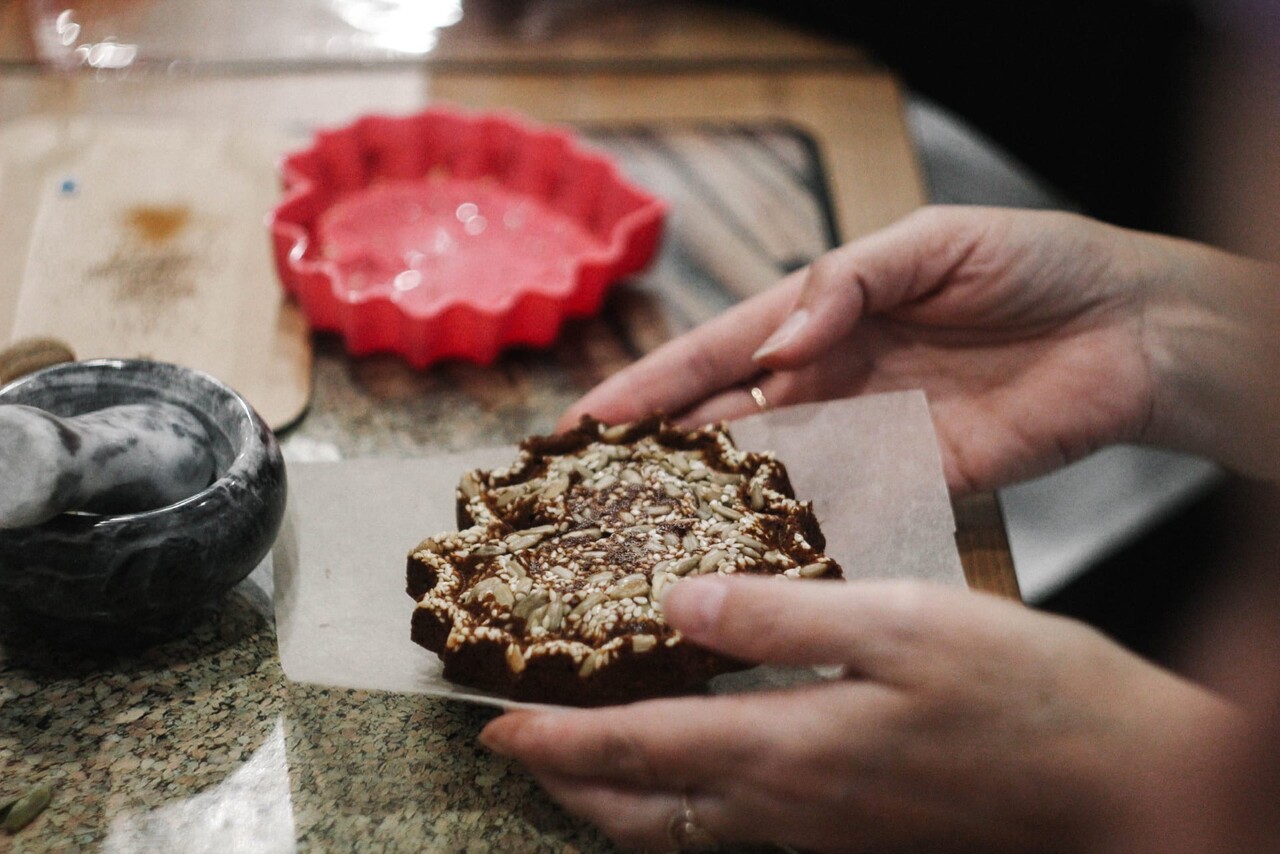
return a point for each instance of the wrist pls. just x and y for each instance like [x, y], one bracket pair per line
[1211, 337]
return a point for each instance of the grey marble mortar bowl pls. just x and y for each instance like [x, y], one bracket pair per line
[145, 576]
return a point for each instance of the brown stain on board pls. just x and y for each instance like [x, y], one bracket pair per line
[147, 268]
[156, 224]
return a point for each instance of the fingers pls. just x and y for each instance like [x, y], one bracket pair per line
[737, 402]
[641, 819]
[893, 632]
[735, 756]
[887, 269]
[690, 368]
[632, 818]
[636, 745]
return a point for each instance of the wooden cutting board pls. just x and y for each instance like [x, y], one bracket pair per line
[129, 239]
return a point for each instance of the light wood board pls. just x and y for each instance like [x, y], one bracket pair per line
[148, 240]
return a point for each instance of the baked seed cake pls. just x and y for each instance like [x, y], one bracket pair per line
[550, 590]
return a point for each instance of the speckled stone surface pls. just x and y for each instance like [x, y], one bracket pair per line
[202, 745]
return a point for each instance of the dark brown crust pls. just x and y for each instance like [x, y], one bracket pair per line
[662, 672]
[550, 673]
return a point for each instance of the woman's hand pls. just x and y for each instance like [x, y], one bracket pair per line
[1038, 338]
[964, 723]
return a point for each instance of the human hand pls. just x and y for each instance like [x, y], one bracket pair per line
[964, 723]
[1025, 330]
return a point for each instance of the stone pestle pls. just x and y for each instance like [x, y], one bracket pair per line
[122, 459]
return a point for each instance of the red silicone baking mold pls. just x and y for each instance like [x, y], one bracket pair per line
[445, 234]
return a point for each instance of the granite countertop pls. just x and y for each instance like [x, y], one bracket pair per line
[202, 744]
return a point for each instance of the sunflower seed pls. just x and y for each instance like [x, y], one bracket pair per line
[757, 496]
[429, 545]
[491, 586]
[616, 433]
[554, 487]
[750, 542]
[711, 560]
[726, 512]
[489, 550]
[631, 476]
[660, 582]
[589, 533]
[592, 599]
[506, 498]
[684, 565]
[469, 486]
[658, 509]
[535, 600]
[562, 572]
[603, 481]
[698, 474]
[515, 659]
[601, 577]
[520, 542]
[775, 556]
[724, 478]
[643, 643]
[671, 539]
[690, 542]
[812, 570]
[554, 616]
[588, 666]
[627, 517]
[628, 586]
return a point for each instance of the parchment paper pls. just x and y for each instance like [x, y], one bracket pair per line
[870, 465]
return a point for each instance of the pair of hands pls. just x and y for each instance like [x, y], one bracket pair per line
[962, 722]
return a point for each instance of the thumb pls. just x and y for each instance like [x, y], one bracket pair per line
[877, 273]
[896, 632]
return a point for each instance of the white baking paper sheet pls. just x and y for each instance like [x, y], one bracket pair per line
[870, 466]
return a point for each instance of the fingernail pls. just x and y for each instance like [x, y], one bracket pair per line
[783, 335]
[494, 743]
[496, 736]
[694, 606]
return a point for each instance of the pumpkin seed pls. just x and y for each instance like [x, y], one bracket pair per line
[24, 810]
